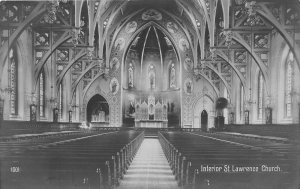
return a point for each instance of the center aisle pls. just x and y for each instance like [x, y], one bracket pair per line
[149, 169]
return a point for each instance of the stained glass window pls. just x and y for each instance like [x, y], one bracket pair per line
[260, 95]
[172, 76]
[74, 105]
[288, 90]
[42, 94]
[241, 100]
[13, 81]
[60, 100]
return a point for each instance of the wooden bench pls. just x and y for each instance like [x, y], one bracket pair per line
[94, 162]
[189, 153]
[10, 128]
[291, 131]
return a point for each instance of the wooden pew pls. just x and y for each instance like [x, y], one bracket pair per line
[291, 131]
[10, 128]
[100, 160]
[187, 154]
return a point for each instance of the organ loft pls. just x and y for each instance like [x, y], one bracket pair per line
[99, 93]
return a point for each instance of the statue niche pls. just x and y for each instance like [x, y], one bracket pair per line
[130, 76]
[151, 76]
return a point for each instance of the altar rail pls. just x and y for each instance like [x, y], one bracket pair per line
[169, 129]
[291, 131]
[9, 128]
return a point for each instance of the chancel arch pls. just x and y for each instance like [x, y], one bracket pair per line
[153, 91]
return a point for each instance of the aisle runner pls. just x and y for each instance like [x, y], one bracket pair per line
[149, 169]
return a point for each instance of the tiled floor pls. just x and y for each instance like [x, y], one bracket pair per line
[149, 169]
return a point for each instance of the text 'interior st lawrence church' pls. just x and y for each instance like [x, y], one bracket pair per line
[150, 94]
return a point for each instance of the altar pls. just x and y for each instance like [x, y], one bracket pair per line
[151, 124]
[151, 113]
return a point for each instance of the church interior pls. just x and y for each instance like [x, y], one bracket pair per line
[164, 94]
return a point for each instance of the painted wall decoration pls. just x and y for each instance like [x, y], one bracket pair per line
[120, 44]
[136, 40]
[131, 27]
[168, 41]
[188, 86]
[188, 64]
[172, 27]
[172, 76]
[114, 86]
[151, 14]
[184, 45]
[115, 64]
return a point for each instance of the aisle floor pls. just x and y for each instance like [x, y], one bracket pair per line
[149, 169]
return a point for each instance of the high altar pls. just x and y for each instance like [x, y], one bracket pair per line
[151, 113]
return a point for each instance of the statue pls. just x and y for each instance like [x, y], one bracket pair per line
[114, 87]
[152, 82]
[130, 77]
[172, 77]
[189, 87]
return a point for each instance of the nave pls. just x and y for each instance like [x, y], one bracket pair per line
[149, 169]
[128, 158]
[84, 84]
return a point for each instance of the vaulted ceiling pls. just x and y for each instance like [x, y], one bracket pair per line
[86, 30]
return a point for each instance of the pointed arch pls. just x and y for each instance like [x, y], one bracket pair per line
[6, 46]
[145, 26]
